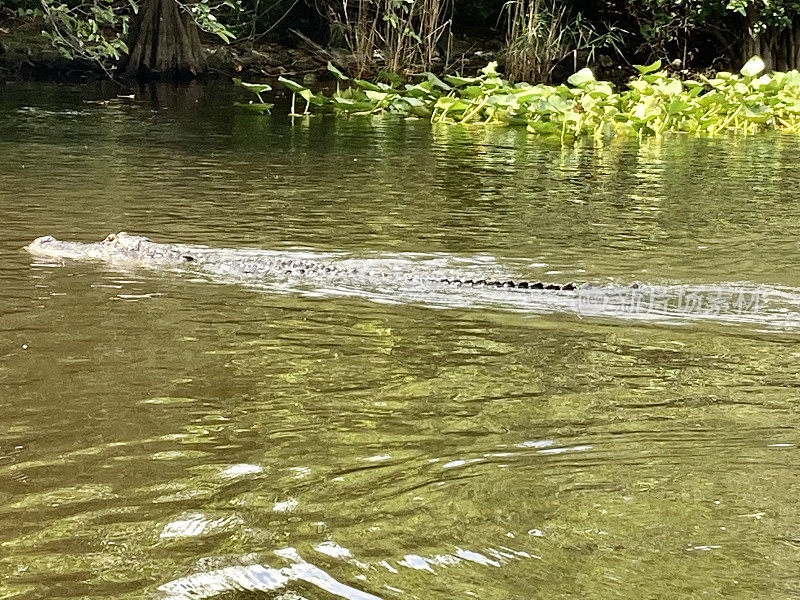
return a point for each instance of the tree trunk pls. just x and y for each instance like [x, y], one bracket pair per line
[164, 42]
[778, 48]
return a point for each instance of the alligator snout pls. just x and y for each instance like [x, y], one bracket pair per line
[38, 242]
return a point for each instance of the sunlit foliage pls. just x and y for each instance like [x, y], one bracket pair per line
[653, 103]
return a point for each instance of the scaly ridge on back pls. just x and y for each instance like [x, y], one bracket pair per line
[520, 285]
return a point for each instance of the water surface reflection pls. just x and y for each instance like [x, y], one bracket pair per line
[178, 438]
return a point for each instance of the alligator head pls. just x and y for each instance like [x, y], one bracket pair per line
[116, 247]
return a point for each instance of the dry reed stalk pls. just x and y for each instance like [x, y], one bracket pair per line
[397, 35]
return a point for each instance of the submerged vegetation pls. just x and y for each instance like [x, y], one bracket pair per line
[653, 103]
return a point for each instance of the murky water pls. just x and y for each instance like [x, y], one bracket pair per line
[166, 436]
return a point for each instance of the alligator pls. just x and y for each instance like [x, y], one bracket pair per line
[432, 281]
[134, 249]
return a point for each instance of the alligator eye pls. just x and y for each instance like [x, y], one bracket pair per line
[111, 238]
[188, 258]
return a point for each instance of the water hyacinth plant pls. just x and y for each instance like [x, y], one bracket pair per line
[257, 89]
[654, 102]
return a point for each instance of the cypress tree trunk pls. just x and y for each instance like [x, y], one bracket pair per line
[778, 48]
[164, 42]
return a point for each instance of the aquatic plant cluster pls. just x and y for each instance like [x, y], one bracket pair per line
[653, 103]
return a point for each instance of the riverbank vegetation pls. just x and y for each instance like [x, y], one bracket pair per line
[532, 40]
[651, 104]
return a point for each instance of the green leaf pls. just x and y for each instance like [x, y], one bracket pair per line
[337, 73]
[490, 70]
[677, 106]
[451, 104]
[558, 103]
[649, 109]
[256, 88]
[510, 119]
[764, 80]
[672, 87]
[645, 69]
[292, 85]
[714, 82]
[394, 79]
[711, 98]
[411, 101]
[437, 82]
[471, 91]
[756, 110]
[581, 78]
[609, 112]
[791, 78]
[348, 105]
[377, 96]
[500, 100]
[457, 81]
[742, 88]
[601, 89]
[366, 85]
[544, 128]
[419, 90]
[753, 67]
[525, 96]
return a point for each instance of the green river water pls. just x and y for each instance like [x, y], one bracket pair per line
[166, 436]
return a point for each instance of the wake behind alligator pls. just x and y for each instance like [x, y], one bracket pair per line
[439, 281]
